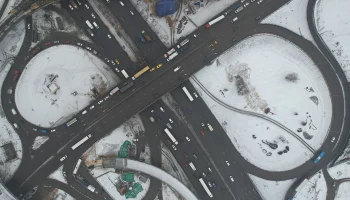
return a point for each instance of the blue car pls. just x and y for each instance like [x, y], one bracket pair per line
[44, 131]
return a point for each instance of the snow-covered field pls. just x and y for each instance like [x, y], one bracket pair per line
[315, 189]
[161, 25]
[72, 70]
[292, 16]
[39, 140]
[58, 175]
[264, 77]
[109, 145]
[9, 48]
[11, 4]
[44, 22]
[272, 190]
[332, 23]
[168, 193]
[340, 171]
[343, 191]
[58, 194]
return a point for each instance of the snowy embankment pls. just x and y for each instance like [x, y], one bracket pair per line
[272, 190]
[332, 23]
[160, 26]
[58, 175]
[315, 189]
[343, 191]
[302, 103]
[292, 16]
[11, 4]
[340, 171]
[57, 83]
[9, 47]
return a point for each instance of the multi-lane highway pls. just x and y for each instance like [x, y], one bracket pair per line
[150, 86]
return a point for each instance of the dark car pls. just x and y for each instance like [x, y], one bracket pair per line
[257, 18]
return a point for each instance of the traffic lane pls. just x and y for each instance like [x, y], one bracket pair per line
[201, 162]
[109, 47]
[216, 146]
[134, 25]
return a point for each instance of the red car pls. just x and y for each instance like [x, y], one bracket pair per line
[66, 41]
[47, 43]
[15, 74]
[202, 133]
[185, 163]
[185, 154]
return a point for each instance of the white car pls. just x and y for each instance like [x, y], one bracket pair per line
[228, 164]
[210, 184]
[87, 7]
[260, 1]
[174, 147]
[195, 94]
[92, 15]
[34, 129]
[92, 107]
[106, 97]
[80, 44]
[88, 48]
[109, 36]
[170, 120]
[131, 12]
[246, 4]
[234, 19]
[121, 3]
[161, 108]
[209, 169]
[71, 7]
[333, 139]
[100, 101]
[112, 62]
[84, 112]
[242, 1]
[188, 139]
[106, 60]
[107, 1]
[177, 68]
[56, 42]
[252, 1]
[204, 175]
[232, 179]
[53, 130]
[28, 26]
[116, 69]
[63, 158]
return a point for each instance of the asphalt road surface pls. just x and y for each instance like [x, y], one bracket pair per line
[147, 89]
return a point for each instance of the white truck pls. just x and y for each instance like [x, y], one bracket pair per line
[192, 166]
[89, 24]
[172, 56]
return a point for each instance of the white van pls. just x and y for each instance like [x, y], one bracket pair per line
[94, 23]
[13, 111]
[15, 125]
[63, 158]
[192, 166]
[234, 19]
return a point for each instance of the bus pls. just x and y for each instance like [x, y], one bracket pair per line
[126, 75]
[77, 167]
[192, 166]
[170, 136]
[81, 141]
[89, 24]
[169, 52]
[116, 89]
[187, 93]
[71, 122]
[140, 72]
[214, 21]
[183, 43]
[206, 188]
[319, 157]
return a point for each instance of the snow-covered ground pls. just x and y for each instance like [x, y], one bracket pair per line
[9, 47]
[168, 193]
[315, 189]
[58, 175]
[292, 16]
[161, 25]
[44, 22]
[75, 69]
[264, 77]
[332, 23]
[58, 194]
[343, 191]
[272, 190]
[108, 180]
[11, 4]
[110, 145]
[340, 171]
[39, 140]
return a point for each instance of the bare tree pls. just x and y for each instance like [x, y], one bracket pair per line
[292, 77]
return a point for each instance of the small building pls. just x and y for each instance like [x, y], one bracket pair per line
[10, 151]
[143, 178]
[59, 23]
[166, 7]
